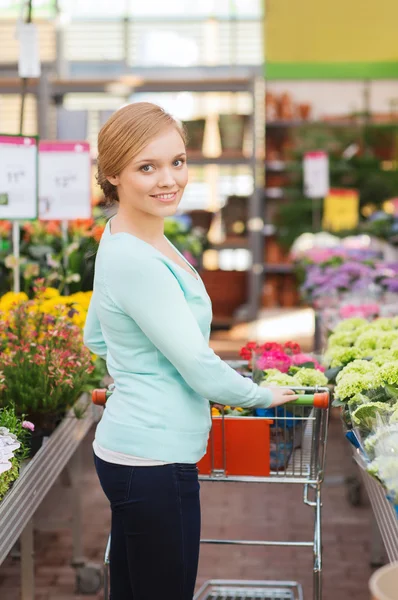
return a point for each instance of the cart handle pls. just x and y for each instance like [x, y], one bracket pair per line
[100, 396]
[318, 400]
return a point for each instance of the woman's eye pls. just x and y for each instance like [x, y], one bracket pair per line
[179, 162]
[146, 168]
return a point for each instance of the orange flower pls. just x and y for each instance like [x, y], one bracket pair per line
[81, 227]
[97, 232]
[5, 228]
[53, 228]
[28, 231]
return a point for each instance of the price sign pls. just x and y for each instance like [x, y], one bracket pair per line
[18, 177]
[341, 210]
[316, 175]
[65, 180]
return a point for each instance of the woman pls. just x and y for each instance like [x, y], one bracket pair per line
[150, 318]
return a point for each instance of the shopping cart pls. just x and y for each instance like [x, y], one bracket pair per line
[296, 449]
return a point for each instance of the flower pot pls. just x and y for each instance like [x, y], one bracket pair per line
[247, 447]
[45, 425]
[195, 130]
[227, 291]
[232, 133]
[384, 583]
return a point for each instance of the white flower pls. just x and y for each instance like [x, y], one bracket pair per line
[73, 278]
[8, 445]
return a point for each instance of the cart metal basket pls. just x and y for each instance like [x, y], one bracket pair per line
[251, 590]
[297, 449]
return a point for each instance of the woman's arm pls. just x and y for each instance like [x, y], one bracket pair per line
[147, 290]
[93, 338]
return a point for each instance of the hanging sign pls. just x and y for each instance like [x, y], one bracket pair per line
[316, 174]
[18, 177]
[341, 210]
[29, 55]
[65, 180]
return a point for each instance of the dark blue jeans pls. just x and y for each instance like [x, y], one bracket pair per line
[155, 532]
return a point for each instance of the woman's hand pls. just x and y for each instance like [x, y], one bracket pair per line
[281, 396]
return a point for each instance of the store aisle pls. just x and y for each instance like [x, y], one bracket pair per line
[229, 510]
[251, 511]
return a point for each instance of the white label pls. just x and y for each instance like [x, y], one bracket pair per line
[18, 181]
[64, 184]
[316, 174]
[29, 57]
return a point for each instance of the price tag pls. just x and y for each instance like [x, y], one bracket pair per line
[341, 210]
[18, 177]
[65, 180]
[316, 174]
[29, 58]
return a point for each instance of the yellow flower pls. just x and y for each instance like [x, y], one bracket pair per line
[215, 412]
[48, 293]
[11, 299]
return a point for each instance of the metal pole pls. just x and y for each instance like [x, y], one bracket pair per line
[15, 225]
[24, 79]
[43, 106]
[256, 208]
[15, 250]
[27, 563]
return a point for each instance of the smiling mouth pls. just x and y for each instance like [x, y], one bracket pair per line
[165, 197]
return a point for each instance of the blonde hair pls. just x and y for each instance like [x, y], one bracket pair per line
[124, 135]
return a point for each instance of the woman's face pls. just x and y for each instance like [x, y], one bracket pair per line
[154, 181]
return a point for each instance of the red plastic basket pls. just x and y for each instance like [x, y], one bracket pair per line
[246, 449]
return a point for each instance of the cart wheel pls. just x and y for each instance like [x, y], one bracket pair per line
[354, 495]
[89, 579]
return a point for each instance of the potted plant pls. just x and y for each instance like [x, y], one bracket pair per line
[14, 446]
[44, 363]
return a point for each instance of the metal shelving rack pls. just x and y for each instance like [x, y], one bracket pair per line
[17, 510]
[50, 90]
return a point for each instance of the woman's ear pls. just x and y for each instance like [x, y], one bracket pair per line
[114, 180]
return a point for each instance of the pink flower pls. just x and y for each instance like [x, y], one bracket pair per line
[301, 359]
[359, 310]
[274, 360]
[28, 425]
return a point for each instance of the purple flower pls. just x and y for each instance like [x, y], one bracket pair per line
[391, 284]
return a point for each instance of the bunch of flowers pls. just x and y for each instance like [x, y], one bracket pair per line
[296, 377]
[335, 255]
[358, 339]
[381, 447]
[63, 259]
[14, 446]
[366, 390]
[365, 310]
[44, 364]
[49, 301]
[282, 362]
[328, 273]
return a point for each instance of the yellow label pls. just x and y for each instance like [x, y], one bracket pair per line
[341, 210]
[322, 31]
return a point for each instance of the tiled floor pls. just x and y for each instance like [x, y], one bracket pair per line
[251, 511]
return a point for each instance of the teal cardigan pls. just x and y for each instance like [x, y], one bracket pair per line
[151, 320]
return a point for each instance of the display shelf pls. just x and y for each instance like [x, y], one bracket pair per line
[39, 475]
[291, 124]
[231, 243]
[278, 269]
[276, 165]
[274, 192]
[219, 160]
[50, 90]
